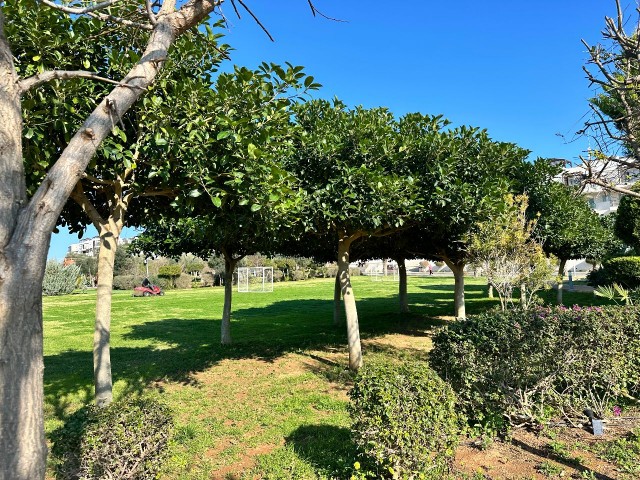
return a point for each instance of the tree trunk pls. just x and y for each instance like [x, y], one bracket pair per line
[563, 262]
[458, 295]
[225, 326]
[351, 313]
[523, 296]
[402, 285]
[25, 234]
[103, 383]
[337, 318]
[490, 290]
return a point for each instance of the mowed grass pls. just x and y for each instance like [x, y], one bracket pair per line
[273, 404]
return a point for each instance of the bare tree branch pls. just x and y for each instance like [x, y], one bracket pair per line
[150, 14]
[79, 10]
[36, 80]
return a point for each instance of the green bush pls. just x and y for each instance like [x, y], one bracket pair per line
[404, 420]
[622, 270]
[517, 367]
[60, 280]
[127, 439]
[126, 282]
[297, 275]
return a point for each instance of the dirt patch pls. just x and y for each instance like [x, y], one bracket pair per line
[556, 453]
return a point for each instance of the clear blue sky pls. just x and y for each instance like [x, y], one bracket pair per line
[514, 68]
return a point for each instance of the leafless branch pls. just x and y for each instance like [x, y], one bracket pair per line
[36, 80]
[150, 14]
[315, 11]
[123, 21]
[79, 10]
[256, 19]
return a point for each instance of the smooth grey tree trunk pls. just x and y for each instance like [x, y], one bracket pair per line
[337, 293]
[351, 312]
[225, 326]
[402, 285]
[563, 262]
[458, 295]
[103, 383]
[26, 226]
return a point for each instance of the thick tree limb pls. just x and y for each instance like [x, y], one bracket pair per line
[36, 80]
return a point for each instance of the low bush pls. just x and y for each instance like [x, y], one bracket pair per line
[404, 420]
[60, 280]
[297, 275]
[624, 271]
[127, 439]
[516, 367]
[126, 282]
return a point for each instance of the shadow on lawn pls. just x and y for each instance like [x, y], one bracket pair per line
[328, 448]
[187, 346]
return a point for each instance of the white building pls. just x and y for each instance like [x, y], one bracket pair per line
[601, 200]
[90, 246]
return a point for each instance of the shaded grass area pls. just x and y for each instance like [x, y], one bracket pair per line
[278, 394]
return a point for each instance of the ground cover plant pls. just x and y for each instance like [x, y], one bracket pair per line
[274, 404]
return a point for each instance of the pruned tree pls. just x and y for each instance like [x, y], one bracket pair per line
[27, 217]
[346, 161]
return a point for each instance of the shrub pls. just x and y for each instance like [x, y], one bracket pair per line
[60, 280]
[126, 282]
[127, 439]
[183, 281]
[517, 365]
[622, 270]
[404, 420]
[297, 275]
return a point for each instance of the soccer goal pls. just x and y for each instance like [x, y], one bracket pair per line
[255, 279]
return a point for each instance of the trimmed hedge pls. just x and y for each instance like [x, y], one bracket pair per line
[622, 270]
[517, 367]
[404, 421]
[127, 439]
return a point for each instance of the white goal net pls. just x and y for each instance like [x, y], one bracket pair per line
[255, 279]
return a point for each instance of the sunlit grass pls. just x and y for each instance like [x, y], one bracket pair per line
[277, 394]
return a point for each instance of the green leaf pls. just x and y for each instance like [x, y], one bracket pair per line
[195, 193]
[159, 140]
[224, 134]
[217, 202]
[86, 63]
[255, 207]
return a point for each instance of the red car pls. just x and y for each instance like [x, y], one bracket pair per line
[147, 289]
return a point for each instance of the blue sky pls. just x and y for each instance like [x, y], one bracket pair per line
[514, 68]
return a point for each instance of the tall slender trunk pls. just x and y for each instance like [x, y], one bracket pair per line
[458, 295]
[563, 262]
[402, 285]
[523, 296]
[351, 312]
[103, 383]
[225, 326]
[490, 292]
[337, 318]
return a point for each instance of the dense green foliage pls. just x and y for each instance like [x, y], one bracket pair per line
[627, 224]
[127, 439]
[622, 270]
[60, 280]
[517, 365]
[404, 420]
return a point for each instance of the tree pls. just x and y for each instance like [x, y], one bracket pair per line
[509, 254]
[566, 225]
[28, 218]
[627, 220]
[242, 198]
[615, 71]
[462, 176]
[347, 162]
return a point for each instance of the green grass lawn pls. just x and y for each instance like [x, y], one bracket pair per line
[273, 404]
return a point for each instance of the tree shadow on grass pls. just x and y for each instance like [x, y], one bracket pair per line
[328, 448]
